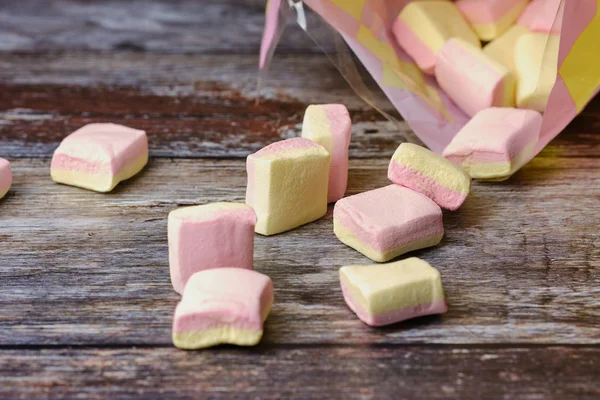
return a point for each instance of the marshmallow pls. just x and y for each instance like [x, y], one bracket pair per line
[425, 172]
[287, 184]
[210, 236]
[543, 16]
[99, 156]
[536, 67]
[225, 305]
[387, 222]
[423, 27]
[5, 177]
[491, 18]
[330, 126]
[496, 142]
[472, 79]
[502, 49]
[383, 294]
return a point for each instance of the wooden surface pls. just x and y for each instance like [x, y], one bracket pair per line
[86, 302]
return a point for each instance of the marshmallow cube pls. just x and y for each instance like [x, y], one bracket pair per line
[387, 222]
[5, 177]
[99, 156]
[502, 49]
[225, 305]
[536, 67]
[491, 18]
[472, 79]
[496, 142]
[383, 294]
[210, 236]
[287, 184]
[330, 126]
[422, 28]
[425, 172]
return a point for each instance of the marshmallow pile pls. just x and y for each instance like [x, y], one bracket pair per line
[290, 183]
[497, 60]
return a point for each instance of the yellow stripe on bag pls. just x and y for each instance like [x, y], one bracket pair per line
[400, 74]
[581, 68]
[352, 7]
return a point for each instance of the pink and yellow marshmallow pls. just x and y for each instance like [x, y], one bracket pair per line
[387, 222]
[384, 294]
[491, 18]
[425, 172]
[214, 235]
[423, 27]
[543, 16]
[98, 156]
[222, 306]
[287, 184]
[330, 126]
[495, 143]
[472, 79]
[5, 177]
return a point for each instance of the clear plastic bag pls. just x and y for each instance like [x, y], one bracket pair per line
[364, 26]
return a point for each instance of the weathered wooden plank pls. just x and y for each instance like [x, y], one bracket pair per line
[188, 26]
[303, 373]
[197, 106]
[217, 124]
[520, 260]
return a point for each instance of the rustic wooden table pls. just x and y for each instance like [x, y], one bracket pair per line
[85, 299]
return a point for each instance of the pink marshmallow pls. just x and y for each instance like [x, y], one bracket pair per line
[473, 79]
[430, 174]
[422, 28]
[387, 222]
[543, 16]
[496, 142]
[330, 126]
[98, 156]
[225, 305]
[5, 177]
[491, 18]
[210, 236]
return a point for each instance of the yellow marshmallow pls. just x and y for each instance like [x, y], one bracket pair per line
[502, 49]
[287, 184]
[536, 59]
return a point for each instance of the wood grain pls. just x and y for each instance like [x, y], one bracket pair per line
[86, 303]
[520, 260]
[174, 26]
[356, 372]
[199, 106]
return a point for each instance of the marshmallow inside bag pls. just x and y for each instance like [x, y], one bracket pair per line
[383, 294]
[472, 79]
[536, 67]
[423, 27]
[434, 176]
[98, 156]
[5, 177]
[287, 184]
[544, 16]
[387, 222]
[491, 18]
[495, 142]
[224, 305]
[209, 236]
[502, 49]
[330, 126]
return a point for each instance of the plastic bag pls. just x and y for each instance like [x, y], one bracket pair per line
[365, 25]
